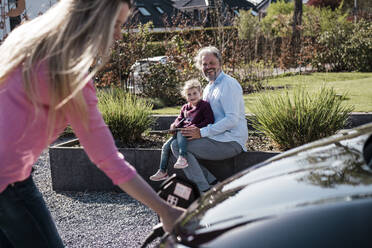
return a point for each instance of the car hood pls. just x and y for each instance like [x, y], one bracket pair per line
[323, 172]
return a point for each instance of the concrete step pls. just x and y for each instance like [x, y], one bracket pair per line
[72, 170]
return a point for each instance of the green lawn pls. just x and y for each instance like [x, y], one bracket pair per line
[358, 87]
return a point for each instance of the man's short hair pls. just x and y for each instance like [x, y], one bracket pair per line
[207, 50]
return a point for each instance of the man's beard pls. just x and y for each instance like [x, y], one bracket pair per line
[212, 75]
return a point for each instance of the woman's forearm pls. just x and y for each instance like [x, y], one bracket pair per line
[140, 190]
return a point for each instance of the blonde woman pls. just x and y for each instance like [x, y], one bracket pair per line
[45, 84]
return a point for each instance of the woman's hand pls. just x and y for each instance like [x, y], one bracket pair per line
[140, 190]
[169, 217]
[191, 133]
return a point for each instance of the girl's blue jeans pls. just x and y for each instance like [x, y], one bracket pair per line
[25, 220]
[166, 149]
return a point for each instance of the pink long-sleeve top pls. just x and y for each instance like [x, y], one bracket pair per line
[23, 131]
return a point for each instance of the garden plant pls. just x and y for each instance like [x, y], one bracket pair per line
[293, 120]
[126, 115]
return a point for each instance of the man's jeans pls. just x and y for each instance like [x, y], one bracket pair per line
[209, 149]
[166, 149]
[25, 220]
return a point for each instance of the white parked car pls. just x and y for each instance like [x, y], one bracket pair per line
[139, 68]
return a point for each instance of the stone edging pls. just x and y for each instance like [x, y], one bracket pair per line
[72, 170]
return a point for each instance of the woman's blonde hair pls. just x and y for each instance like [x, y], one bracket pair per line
[190, 84]
[69, 37]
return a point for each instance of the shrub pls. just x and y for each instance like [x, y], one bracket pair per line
[248, 25]
[293, 121]
[346, 48]
[157, 48]
[67, 133]
[333, 4]
[278, 18]
[252, 75]
[358, 49]
[162, 81]
[126, 115]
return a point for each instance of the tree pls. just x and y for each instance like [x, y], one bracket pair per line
[297, 21]
[277, 20]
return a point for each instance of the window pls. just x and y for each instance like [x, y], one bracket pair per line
[161, 11]
[144, 11]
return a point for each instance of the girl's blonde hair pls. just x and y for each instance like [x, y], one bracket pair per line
[69, 37]
[190, 84]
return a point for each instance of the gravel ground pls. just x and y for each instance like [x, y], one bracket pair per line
[105, 219]
[94, 219]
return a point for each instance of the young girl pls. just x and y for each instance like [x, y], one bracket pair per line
[44, 84]
[195, 112]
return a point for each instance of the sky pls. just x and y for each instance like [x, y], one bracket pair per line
[33, 7]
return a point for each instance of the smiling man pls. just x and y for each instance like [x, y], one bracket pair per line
[227, 136]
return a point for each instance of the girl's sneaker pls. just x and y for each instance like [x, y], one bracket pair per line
[159, 176]
[181, 163]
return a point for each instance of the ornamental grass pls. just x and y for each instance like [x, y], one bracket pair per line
[126, 115]
[294, 120]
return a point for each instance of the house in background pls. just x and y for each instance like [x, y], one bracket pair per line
[198, 12]
[201, 9]
[160, 12]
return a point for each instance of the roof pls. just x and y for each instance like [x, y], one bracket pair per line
[239, 4]
[156, 11]
[195, 4]
[233, 4]
[179, 3]
[160, 12]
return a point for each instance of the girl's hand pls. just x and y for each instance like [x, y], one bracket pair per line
[172, 129]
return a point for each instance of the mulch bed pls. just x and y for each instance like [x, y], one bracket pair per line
[260, 142]
[256, 142]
